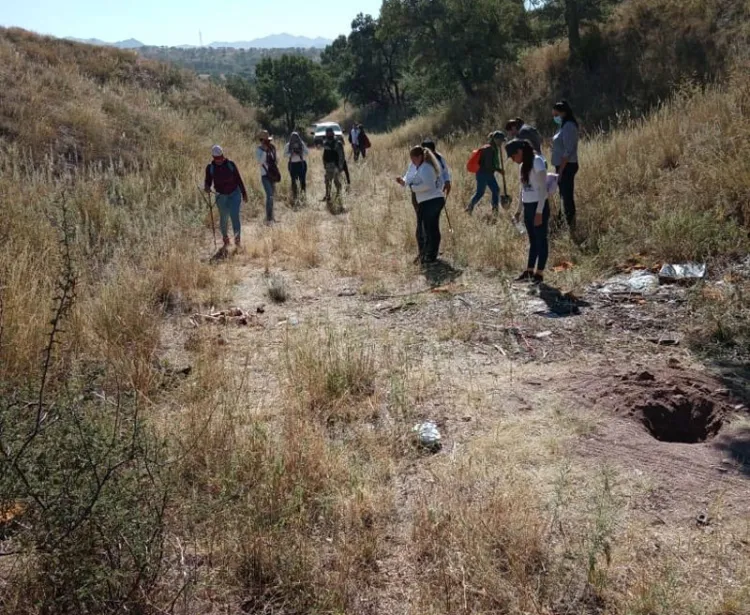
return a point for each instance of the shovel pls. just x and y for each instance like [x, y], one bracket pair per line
[505, 199]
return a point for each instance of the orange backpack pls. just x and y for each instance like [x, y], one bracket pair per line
[472, 166]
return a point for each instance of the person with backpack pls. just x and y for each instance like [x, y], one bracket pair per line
[225, 178]
[354, 140]
[533, 206]
[424, 178]
[334, 160]
[364, 142]
[565, 157]
[518, 129]
[485, 162]
[267, 159]
[296, 151]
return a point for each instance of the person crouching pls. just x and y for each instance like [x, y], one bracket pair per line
[424, 179]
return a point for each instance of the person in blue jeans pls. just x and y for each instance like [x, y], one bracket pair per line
[265, 154]
[489, 164]
[533, 206]
[225, 177]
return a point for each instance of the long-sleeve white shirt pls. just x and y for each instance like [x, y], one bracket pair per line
[424, 182]
[535, 191]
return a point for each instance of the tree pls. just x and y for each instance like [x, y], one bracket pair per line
[571, 14]
[465, 41]
[368, 65]
[293, 87]
[241, 89]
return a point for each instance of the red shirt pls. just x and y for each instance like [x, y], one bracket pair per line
[225, 178]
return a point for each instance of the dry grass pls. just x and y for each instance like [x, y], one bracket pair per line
[293, 484]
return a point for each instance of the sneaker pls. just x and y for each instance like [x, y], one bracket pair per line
[538, 278]
[526, 276]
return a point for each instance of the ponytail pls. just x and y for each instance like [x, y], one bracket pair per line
[427, 155]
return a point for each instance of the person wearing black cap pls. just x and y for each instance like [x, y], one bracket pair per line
[489, 164]
[533, 206]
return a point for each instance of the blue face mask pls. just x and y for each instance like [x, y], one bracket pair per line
[558, 120]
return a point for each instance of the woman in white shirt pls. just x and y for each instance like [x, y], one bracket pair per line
[296, 151]
[533, 205]
[424, 179]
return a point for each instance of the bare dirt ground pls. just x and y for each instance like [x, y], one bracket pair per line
[502, 368]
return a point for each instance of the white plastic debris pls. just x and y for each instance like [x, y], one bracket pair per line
[639, 282]
[687, 272]
[293, 320]
[428, 435]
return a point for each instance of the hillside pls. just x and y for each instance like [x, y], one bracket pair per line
[198, 437]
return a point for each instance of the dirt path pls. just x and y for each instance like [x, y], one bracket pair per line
[487, 356]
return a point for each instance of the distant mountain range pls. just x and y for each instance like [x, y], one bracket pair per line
[131, 43]
[274, 41]
[278, 41]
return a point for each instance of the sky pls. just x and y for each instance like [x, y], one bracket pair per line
[177, 22]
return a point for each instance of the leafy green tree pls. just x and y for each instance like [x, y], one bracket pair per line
[368, 65]
[465, 41]
[564, 17]
[292, 88]
[242, 89]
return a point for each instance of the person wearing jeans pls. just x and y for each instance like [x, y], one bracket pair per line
[489, 164]
[565, 157]
[224, 176]
[533, 206]
[266, 152]
[425, 180]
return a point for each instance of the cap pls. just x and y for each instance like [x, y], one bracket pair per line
[217, 151]
[263, 134]
[497, 135]
[513, 147]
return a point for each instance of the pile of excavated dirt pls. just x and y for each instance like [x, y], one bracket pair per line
[673, 405]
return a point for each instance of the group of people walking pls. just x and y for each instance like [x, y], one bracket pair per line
[428, 179]
[224, 180]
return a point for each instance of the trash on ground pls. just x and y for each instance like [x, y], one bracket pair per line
[665, 340]
[639, 282]
[293, 320]
[563, 266]
[703, 520]
[428, 436]
[543, 334]
[234, 316]
[686, 272]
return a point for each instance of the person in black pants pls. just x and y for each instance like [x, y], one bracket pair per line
[565, 157]
[533, 206]
[424, 179]
[296, 151]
